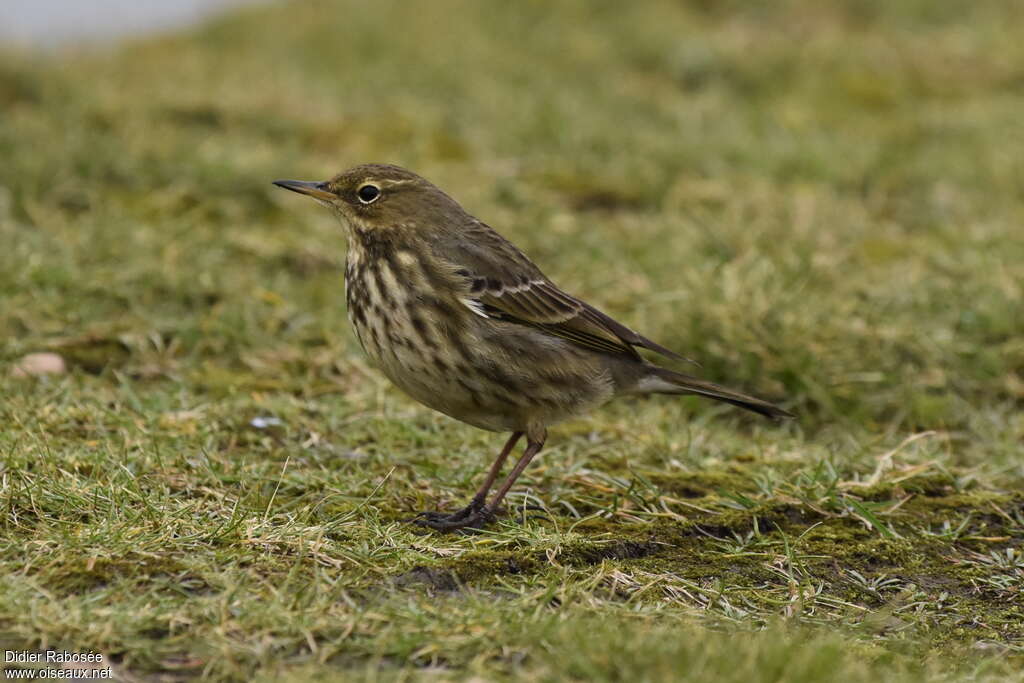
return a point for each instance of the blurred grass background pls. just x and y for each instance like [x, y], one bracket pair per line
[818, 201]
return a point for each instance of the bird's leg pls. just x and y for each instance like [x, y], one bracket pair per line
[480, 498]
[533, 445]
[477, 514]
[436, 520]
[477, 517]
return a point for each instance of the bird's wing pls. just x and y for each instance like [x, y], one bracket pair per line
[505, 285]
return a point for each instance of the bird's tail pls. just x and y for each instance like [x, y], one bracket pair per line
[664, 381]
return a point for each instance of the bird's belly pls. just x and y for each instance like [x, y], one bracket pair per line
[492, 379]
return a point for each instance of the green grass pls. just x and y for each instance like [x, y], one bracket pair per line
[822, 202]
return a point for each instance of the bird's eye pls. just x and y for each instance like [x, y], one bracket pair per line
[368, 193]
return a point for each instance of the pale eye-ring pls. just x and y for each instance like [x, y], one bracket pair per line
[368, 193]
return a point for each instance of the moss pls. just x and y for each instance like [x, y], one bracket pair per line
[478, 566]
[97, 572]
[750, 553]
[693, 485]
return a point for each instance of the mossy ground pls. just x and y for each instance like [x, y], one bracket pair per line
[821, 202]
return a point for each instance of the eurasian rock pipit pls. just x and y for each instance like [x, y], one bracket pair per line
[462, 321]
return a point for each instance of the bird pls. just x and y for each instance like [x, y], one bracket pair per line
[461, 320]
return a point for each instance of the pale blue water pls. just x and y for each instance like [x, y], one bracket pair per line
[49, 23]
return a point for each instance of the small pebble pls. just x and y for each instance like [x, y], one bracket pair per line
[36, 364]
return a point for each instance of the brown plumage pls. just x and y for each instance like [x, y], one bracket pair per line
[461, 320]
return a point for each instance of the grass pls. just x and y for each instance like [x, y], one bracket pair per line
[820, 202]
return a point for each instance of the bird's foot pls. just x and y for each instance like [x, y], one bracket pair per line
[476, 515]
[464, 520]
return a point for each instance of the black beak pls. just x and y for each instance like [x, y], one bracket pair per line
[314, 190]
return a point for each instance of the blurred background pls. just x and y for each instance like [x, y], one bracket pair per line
[58, 23]
[821, 202]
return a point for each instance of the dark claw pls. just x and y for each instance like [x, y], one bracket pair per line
[476, 515]
[470, 517]
[475, 506]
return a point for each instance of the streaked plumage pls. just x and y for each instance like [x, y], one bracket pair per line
[461, 320]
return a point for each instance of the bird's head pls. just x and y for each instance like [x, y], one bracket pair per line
[379, 197]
